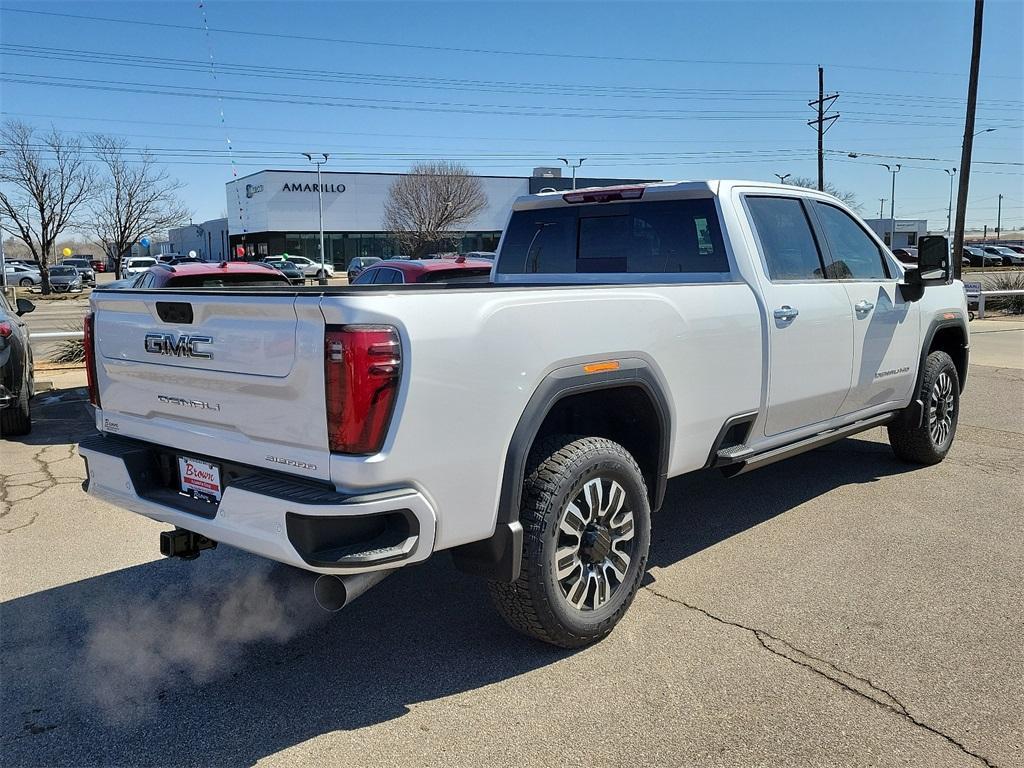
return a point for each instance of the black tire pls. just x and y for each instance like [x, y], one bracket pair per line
[929, 441]
[26, 282]
[538, 603]
[16, 420]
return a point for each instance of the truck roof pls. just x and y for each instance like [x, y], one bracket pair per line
[657, 189]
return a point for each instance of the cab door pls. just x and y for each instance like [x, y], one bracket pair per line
[886, 328]
[808, 317]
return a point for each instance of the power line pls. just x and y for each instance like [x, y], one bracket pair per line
[481, 51]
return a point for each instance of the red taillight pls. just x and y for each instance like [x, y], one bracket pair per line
[604, 195]
[5, 330]
[362, 365]
[90, 359]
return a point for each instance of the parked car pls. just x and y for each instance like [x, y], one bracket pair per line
[312, 268]
[17, 371]
[396, 271]
[906, 255]
[358, 264]
[1008, 256]
[289, 269]
[98, 265]
[84, 267]
[489, 255]
[208, 274]
[30, 263]
[1015, 248]
[19, 274]
[622, 343]
[979, 258]
[64, 279]
[135, 265]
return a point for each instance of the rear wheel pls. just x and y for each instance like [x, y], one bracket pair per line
[26, 282]
[929, 441]
[586, 535]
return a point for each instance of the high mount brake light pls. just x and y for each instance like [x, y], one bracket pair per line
[604, 195]
[89, 345]
[362, 367]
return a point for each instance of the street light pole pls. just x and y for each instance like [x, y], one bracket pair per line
[999, 218]
[881, 208]
[320, 199]
[893, 169]
[782, 177]
[574, 167]
[949, 214]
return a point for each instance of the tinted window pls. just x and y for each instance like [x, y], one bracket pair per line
[366, 277]
[387, 276]
[658, 237]
[220, 281]
[540, 241]
[854, 254]
[790, 251]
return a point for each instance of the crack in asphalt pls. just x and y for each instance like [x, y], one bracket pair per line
[853, 683]
[42, 467]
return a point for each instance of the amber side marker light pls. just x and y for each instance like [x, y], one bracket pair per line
[604, 365]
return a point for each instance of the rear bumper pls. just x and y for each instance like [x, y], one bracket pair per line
[270, 514]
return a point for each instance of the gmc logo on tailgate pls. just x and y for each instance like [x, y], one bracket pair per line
[183, 346]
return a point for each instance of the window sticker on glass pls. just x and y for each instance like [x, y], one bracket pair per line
[704, 244]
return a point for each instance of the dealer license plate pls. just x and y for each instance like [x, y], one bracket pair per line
[199, 479]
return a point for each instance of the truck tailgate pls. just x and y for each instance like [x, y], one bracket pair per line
[242, 373]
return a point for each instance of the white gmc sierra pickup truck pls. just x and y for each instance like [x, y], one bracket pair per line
[528, 424]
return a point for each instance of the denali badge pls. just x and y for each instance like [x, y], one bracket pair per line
[183, 346]
[186, 403]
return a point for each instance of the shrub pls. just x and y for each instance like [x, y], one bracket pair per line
[1013, 281]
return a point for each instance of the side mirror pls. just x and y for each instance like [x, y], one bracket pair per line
[933, 267]
[23, 307]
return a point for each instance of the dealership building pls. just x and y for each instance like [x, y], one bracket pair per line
[276, 212]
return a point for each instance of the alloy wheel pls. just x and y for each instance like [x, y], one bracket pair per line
[941, 409]
[594, 544]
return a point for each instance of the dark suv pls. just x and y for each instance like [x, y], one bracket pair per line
[17, 375]
[84, 267]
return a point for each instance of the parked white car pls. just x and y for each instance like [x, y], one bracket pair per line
[136, 265]
[529, 425]
[312, 268]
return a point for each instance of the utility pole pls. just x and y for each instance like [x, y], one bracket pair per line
[881, 208]
[949, 213]
[823, 104]
[999, 218]
[965, 156]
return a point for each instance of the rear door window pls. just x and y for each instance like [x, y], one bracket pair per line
[787, 241]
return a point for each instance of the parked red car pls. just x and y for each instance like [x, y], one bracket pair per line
[98, 265]
[403, 271]
[205, 275]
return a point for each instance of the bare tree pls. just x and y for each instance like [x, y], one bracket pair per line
[137, 198]
[849, 198]
[44, 181]
[427, 207]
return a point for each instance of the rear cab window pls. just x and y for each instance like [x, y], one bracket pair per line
[643, 237]
[787, 238]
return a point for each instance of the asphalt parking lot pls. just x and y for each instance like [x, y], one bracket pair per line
[840, 608]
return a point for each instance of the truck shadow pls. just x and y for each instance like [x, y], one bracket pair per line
[165, 664]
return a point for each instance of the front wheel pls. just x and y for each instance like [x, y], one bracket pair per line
[929, 441]
[586, 536]
[26, 282]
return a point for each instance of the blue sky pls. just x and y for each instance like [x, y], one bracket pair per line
[662, 90]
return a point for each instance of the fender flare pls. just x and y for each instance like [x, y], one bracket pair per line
[915, 411]
[500, 556]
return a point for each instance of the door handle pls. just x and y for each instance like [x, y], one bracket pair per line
[785, 312]
[864, 306]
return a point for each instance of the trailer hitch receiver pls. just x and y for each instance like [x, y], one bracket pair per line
[184, 544]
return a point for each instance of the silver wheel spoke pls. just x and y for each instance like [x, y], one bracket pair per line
[567, 560]
[604, 588]
[618, 562]
[593, 492]
[573, 521]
